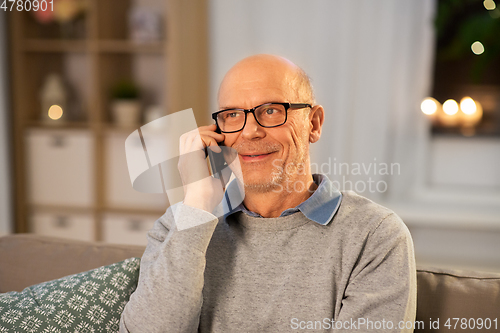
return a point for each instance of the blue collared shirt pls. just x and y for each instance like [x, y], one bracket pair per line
[320, 207]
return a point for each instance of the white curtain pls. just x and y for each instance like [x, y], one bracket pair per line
[370, 64]
[5, 193]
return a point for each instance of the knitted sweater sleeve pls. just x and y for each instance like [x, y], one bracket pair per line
[382, 285]
[168, 297]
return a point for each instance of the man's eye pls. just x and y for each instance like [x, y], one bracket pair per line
[231, 115]
[271, 111]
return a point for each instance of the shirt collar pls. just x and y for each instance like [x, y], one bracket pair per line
[320, 207]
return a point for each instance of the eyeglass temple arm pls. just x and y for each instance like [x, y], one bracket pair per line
[300, 105]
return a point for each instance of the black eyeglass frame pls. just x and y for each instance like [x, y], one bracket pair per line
[287, 106]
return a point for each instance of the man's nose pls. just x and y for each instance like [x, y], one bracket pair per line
[252, 128]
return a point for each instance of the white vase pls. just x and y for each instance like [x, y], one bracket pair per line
[126, 112]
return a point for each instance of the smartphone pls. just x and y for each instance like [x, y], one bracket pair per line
[217, 160]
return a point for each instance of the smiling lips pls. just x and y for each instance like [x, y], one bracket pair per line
[254, 157]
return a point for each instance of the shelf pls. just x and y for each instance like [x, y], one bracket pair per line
[132, 211]
[128, 46]
[104, 46]
[61, 209]
[111, 128]
[54, 45]
[61, 126]
[102, 210]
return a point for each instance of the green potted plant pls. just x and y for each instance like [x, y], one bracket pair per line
[125, 104]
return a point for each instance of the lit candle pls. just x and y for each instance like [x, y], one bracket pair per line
[471, 112]
[449, 115]
[430, 107]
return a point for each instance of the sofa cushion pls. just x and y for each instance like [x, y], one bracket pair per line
[91, 301]
[28, 259]
[444, 294]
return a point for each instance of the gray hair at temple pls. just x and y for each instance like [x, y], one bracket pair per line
[302, 85]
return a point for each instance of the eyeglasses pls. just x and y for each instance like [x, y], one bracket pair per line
[266, 115]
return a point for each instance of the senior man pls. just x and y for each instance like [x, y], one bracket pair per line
[289, 257]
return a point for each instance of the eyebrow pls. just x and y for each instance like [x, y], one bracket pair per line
[228, 107]
[240, 108]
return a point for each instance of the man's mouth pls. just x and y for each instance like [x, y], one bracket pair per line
[251, 157]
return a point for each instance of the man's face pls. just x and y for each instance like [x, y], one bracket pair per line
[268, 156]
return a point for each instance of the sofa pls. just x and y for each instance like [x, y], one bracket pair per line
[448, 300]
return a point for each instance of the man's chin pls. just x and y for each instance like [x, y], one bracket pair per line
[261, 187]
[260, 179]
[256, 183]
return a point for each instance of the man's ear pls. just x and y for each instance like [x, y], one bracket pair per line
[316, 118]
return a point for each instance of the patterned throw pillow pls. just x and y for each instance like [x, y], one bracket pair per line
[91, 301]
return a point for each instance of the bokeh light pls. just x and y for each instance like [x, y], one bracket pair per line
[55, 112]
[489, 4]
[467, 105]
[429, 106]
[477, 48]
[450, 107]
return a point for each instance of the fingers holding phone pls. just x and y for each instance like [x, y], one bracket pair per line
[200, 190]
[198, 139]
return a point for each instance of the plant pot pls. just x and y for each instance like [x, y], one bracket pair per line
[126, 112]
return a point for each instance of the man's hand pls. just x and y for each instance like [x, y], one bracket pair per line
[200, 190]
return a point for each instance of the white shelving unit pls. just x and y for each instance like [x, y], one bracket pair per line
[71, 180]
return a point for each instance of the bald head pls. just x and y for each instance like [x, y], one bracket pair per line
[266, 77]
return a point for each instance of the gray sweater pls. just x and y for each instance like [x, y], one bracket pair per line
[285, 274]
